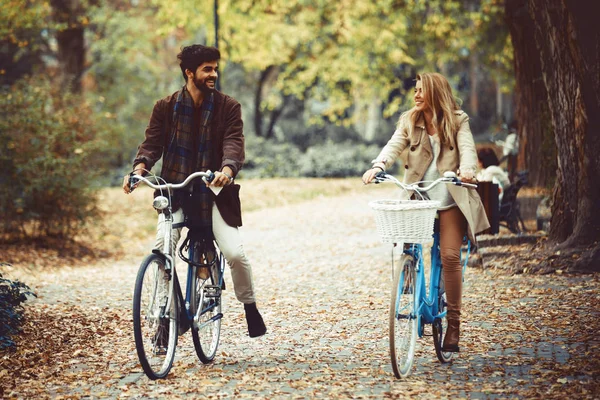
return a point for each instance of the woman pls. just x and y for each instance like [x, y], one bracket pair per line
[437, 134]
[491, 171]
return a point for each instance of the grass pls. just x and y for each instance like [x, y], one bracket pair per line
[128, 223]
[129, 219]
[258, 194]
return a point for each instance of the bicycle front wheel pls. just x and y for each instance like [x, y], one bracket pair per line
[403, 317]
[206, 298]
[154, 318]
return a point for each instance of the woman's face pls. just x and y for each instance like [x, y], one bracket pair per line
[420, 102]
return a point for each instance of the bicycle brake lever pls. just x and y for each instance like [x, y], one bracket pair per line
[379, 177]
[132, 181]
[210, 177]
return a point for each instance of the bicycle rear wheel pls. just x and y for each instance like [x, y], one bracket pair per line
[440, 325]
[154, 326]
[403, 318]
[206, 296]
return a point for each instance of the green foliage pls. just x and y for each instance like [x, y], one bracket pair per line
[48, 159]
[18, 17]
[132, 67]
[338, 52]
[12, 294]
[328, 51]
[271, 159]
[336, 160]
[329, 57]
[267, 159]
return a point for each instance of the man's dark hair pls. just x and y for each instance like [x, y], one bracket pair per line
[191, 57]
[488, 157]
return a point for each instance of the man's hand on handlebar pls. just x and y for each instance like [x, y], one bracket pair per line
[129, 183]
[222, 178]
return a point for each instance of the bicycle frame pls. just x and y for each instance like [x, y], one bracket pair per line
[426, 303]
[415, 302]
[169, 253]
[193, 318]
[170, 313]
[190, 318]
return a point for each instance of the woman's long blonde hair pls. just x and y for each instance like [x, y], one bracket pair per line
[438, 95]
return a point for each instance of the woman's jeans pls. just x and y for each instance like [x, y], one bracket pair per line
[453, 227]
[229, 240]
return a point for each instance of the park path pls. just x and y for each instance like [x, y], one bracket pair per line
[322, 280]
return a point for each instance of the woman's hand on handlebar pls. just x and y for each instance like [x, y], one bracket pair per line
[467, 177]
[369, 175]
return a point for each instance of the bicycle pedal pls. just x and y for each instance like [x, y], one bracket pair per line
[212, 291]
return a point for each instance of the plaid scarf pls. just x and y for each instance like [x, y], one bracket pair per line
[189, 151]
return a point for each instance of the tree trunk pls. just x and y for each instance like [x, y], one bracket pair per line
[474, 83]
[258, 97]
[275, 117]
[537, 152]
[567, 39]
[71, 44]
[587, 60]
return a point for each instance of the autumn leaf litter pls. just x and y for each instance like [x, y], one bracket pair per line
[322, 280]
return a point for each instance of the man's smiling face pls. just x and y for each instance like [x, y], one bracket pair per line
[206, 76]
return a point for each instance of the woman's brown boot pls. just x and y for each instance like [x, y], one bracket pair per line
[453, 286]
[452, 336]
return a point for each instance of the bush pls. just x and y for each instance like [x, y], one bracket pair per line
[337, 160]
[12, 294]
[48, 161]
[267, 159]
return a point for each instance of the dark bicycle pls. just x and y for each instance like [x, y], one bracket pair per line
[160, 311]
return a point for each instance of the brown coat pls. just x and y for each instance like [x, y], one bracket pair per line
[459, 154]
[227, 138]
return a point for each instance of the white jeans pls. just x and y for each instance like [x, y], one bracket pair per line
[229, 240]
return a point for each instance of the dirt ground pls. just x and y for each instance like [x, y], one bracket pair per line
[323, 283]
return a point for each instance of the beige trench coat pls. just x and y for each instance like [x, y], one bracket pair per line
[457, 155]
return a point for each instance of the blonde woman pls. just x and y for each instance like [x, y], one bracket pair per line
[438, 138]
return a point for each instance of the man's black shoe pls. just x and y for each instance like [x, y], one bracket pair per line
[256, 325]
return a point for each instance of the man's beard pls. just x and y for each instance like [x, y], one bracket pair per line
[201, 86]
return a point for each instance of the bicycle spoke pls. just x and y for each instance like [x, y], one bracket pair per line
[403, 323]
[207, 308]
[154, 323]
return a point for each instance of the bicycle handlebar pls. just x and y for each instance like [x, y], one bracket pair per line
[134, 179]
[449, 177]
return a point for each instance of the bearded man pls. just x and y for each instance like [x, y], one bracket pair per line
[198, 128]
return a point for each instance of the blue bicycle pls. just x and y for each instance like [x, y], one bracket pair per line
[160, 311]
[414, 302]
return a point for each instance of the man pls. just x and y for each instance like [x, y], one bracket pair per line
[196, 129]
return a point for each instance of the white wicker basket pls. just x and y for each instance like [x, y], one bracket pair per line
[405, 221]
